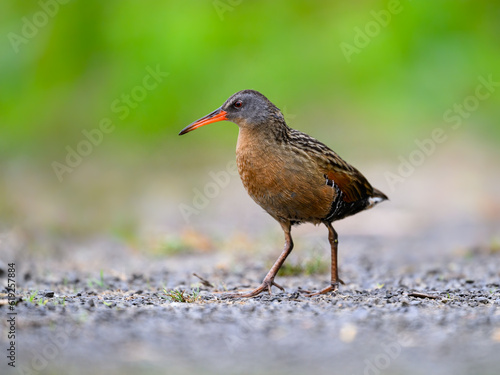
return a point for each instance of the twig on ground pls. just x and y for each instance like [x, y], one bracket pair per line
[422, 295]
[204, 282]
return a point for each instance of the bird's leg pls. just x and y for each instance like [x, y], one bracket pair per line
[268, 281]
[334, 242]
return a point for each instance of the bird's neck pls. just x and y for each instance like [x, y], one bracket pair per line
[260, 138]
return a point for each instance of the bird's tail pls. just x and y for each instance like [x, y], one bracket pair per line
[376, 198]
[378, 194]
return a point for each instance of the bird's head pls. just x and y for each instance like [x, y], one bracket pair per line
[247, 108]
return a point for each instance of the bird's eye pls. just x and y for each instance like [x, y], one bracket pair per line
[238, 104]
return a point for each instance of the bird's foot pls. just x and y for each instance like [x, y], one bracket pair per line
[332, 288]
[266, 285]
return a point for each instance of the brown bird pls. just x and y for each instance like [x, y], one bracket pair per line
[291, 175]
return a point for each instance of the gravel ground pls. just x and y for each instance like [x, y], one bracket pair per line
[400, 312]
[422, 293]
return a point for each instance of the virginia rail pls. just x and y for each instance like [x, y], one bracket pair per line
[291, 175]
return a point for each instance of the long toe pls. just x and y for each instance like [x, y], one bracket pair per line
[328, 289]
[305, 291]
[266, 285]
[278, 286]
[250, 294]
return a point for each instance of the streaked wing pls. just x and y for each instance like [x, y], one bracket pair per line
[350, 181]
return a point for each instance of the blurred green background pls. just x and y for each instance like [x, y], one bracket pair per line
[63, 76]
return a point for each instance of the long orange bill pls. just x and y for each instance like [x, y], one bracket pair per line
[217, 115]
